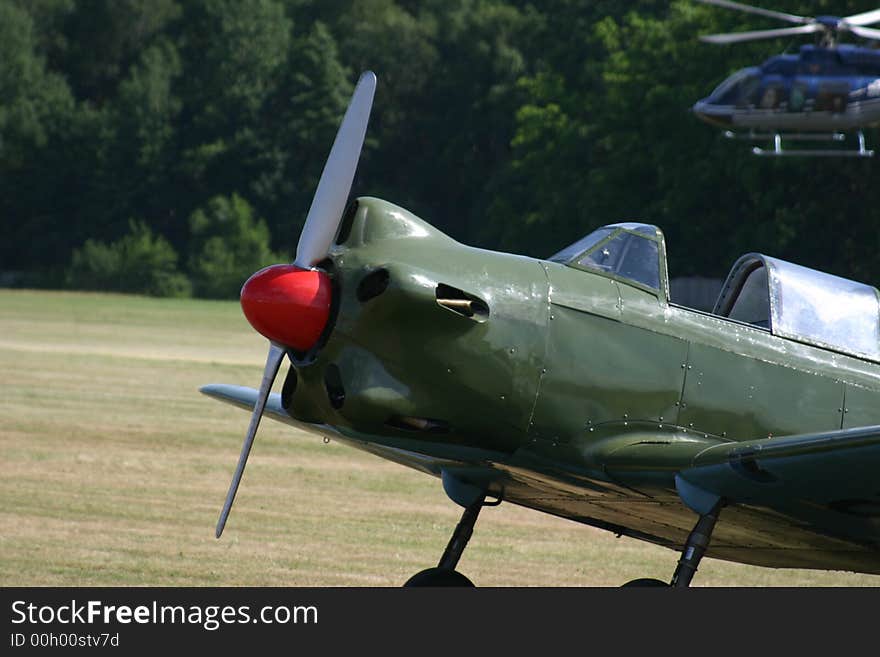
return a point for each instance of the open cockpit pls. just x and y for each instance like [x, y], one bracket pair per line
[803, 304]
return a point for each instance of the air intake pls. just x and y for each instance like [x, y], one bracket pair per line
[347, 222]
[333, 386]
[372, 285]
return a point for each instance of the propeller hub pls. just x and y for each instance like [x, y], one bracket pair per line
[831, 22]
[288, 305]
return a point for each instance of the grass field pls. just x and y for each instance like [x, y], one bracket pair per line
[114, 469]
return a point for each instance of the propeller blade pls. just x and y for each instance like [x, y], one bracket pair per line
[762, 34]
[863, 19]
[273, 362]
[769, 13]
[864, 32]
[334, 186]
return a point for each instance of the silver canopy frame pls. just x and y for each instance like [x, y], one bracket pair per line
[803, 304]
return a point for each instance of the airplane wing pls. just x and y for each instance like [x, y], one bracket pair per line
[835, 469]
[817, 496]
[806, 501]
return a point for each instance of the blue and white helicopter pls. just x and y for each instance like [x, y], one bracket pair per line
[817, 95]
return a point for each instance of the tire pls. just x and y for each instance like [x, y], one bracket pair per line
[438, 577]
[645, 582]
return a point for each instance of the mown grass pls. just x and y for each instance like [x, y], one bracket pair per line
[114, 469]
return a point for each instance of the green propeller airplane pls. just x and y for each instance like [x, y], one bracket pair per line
[574, 386]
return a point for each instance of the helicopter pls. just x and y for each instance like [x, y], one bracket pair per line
[573, 385]
[817, 95]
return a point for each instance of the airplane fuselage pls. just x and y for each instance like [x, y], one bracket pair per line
[564, 384]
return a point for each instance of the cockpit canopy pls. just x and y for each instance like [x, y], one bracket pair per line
[788, 300]
[632, 252]
[803, 304]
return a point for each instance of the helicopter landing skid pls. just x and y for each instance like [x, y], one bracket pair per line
[779, 151]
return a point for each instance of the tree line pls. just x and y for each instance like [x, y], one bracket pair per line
[171, 147]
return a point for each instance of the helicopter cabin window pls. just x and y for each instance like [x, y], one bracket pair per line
[748, 92]
[802, 304]
[729, 91]
[772, 95]
[832, 97]
[798, 97]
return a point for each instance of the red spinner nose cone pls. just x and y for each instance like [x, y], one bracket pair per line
[288, 305]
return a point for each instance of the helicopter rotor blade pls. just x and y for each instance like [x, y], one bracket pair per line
[273, 362]
[328, 204]
[769, 13]
[864, 32]
[762, 34]
[863, 19]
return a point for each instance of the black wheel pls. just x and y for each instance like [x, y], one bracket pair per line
[438, 577]
[645, 581]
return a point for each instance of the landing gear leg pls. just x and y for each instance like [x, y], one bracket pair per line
[445, 574]
[462, 534]
[695, 547]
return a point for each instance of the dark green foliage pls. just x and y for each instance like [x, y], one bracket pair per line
[506, 123]
[228, 245]
[34, 100]
[139, 262]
